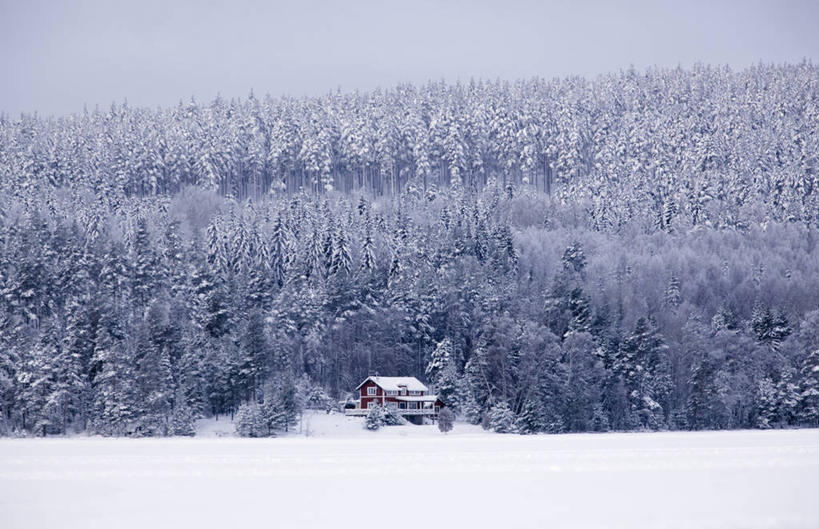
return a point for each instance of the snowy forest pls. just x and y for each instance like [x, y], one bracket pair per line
[639, 251]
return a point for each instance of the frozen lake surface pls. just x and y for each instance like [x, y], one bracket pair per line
[410, 476]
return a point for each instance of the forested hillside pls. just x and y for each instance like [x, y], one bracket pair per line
[634, 252]
[678, 139]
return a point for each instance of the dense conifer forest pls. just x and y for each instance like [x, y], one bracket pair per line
[637, 251]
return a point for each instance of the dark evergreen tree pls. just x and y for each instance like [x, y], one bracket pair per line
[502, 419]
[703, 408]
[809, 390]
[640, 364]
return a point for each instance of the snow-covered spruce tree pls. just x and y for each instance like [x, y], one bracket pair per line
[312, 396]
[809, 390]
[155, 383]
[250, 421]
[769, 328]
[787, 391]
[502, 419]
[439, 358]
[578, 306]
[375, 418]
[468, 405]
[143, 264]
[583, 374]
[254, 349]
[9, 362]
[673, 297]
[280, 409]
[183, 419]
[36, 385]
[190, 383]
[640, 362]
[532, 417]
[767, 405]
[574, 258]
[441, 372]
[703, 408]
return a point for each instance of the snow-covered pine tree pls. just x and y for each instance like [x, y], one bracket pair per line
[703, 405]
[280, 408]
[441, 356]
[767, 405]
[640, 363]
[375, 418]
[250, 421]
[183, 418]
[673, 297]
[502, 419]
[809, 390]
[155, 384]
[115, 406]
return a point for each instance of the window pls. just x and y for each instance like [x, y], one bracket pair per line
[403, 390]
[413, 405]
[402, 405]
[415, 393]
[371, 391]
[391, 405]
[370, 404]
[391, 393]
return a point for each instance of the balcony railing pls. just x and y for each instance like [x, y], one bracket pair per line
[399, 411]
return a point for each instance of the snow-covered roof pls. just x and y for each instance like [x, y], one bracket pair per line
[393, 383]
[425, 398]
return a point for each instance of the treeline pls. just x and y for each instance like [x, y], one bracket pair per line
[709, 141]
[520, 309]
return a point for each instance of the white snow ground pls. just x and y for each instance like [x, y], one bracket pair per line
[401, 477]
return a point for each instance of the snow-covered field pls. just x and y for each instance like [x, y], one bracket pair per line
[343, 476]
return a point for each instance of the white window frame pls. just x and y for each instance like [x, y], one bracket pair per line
[403, 390]
[371, 404]
[391, 393]
[372, 391]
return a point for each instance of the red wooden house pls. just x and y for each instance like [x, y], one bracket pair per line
[407, 396]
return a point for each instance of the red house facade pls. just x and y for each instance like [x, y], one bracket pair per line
[407, 396]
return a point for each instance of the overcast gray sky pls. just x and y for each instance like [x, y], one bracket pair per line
[57, 55]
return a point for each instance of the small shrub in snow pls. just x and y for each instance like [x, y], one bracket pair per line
[391, 417]
[446, 419]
